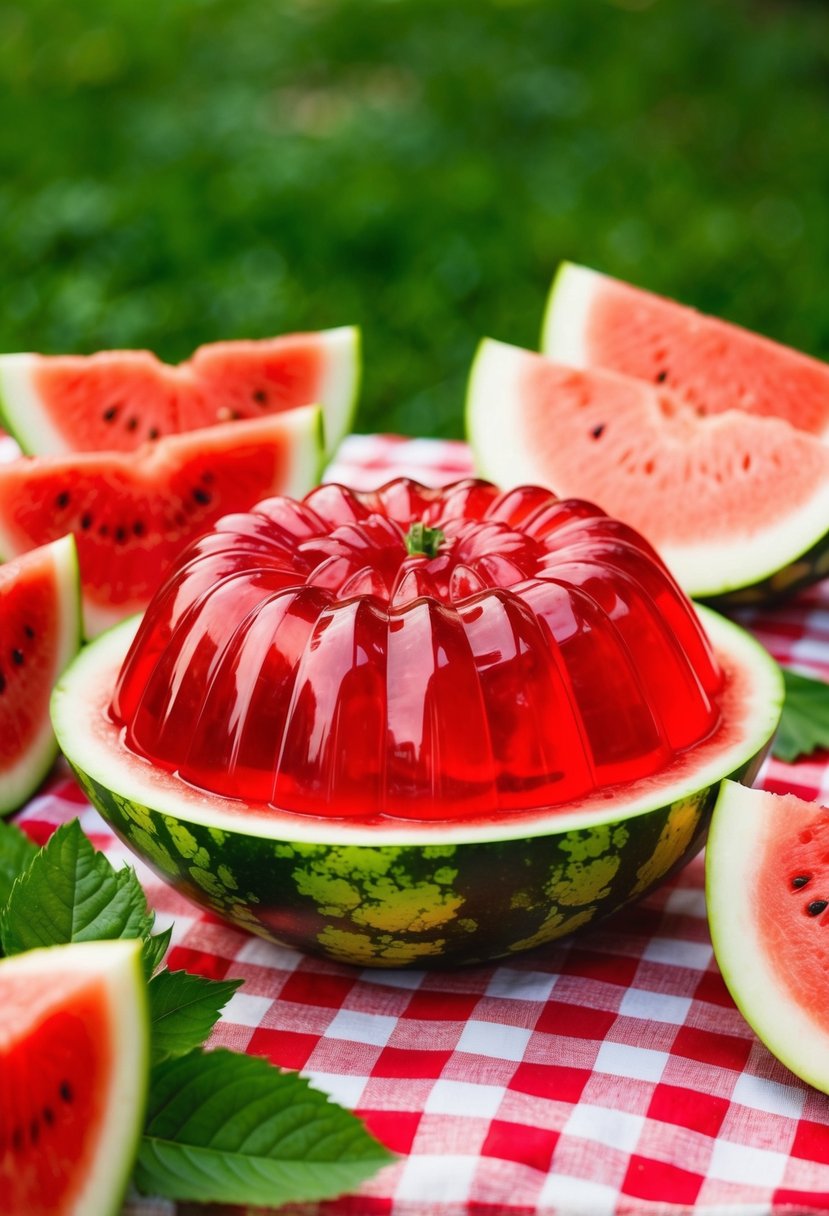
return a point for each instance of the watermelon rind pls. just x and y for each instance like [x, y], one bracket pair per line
[118, 966]
[568, 304]
[773, 560]
[396, 894]
[28, 771]
[24, 415]
[740, 832]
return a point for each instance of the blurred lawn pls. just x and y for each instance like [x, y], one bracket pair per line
[197, 169]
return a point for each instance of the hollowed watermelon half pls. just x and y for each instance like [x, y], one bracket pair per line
[417, 727]
[117, 400]
[767, 889]
[593, 320]
[74, 1063]
[736, 505]
[132, 513]
[40, 631]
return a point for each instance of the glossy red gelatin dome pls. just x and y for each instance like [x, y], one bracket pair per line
[533, 652]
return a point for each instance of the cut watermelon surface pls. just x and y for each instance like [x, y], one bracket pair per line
[132, 513]
[40, 631]
[593, 320]
[74, 1062]
[728, 500]
[767, 888]
[117, 400]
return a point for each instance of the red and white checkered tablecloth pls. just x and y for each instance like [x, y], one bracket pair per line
[605, 1074]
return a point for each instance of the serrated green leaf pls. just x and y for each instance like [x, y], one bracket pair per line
[17, 852]
[155, 948]
[229, 1128]
[804, 726]
[184, 1008]
[71, 893]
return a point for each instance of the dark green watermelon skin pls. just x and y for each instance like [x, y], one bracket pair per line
[811, 567]
[412, 905]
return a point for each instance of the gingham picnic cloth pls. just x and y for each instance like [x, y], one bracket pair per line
[606, 1074]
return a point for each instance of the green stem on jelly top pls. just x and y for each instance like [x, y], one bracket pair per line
[422, 541]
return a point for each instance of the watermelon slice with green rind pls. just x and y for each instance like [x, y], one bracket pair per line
[117, 400]
[733, 503]
[767, 890]
[593, 320]
[74, 1062]
[133, 512]
[40, 631]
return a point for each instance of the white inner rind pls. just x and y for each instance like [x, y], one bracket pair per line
[118, 965]
[22, 406]
[340, 382]
[504, 452]
[565, 318]
[93, 744]
[742, 830]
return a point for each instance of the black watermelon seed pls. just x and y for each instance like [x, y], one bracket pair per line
[34, 1131]
[2, 682]
[260, 397]
[29, 632]
[17, 1139]
[109, 415]
[18, 657]
[800, 881]
[66, 1092]
[138, 528]
[132, 424]
[201, 496]
[62, 499]
[48, 1116]
[120, 535]
[86, 521]
[661, 377]
[598, 431]
[153, 432]
[817, 906]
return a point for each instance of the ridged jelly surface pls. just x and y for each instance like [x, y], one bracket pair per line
[299, 657]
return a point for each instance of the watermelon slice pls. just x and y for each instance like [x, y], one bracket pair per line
[74, 1063]
[731, 501]
[117, 400]
[712, 365]
[767, 885]
[40, 631]
[132, 512]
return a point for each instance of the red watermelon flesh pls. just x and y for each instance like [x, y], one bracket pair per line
[39, 634]
[712, 365]
[726, 499]
[72, 1081]
[133, 513]
[767, 884]
[117, 400]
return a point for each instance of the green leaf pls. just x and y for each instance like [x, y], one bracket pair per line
[804, 726]
[71, 893]
[184, 1008]
[155, 948]
[16, 853]
[231, 1128]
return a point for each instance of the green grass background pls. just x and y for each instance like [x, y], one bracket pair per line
[178, 172]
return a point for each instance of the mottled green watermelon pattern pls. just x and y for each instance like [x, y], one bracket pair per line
[415, 906]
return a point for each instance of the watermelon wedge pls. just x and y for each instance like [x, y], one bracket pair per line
[40, 631]
[767, 888]
[735, 504]
[74, 1063]
[132, 512]
[593, 320]
[117, 400]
